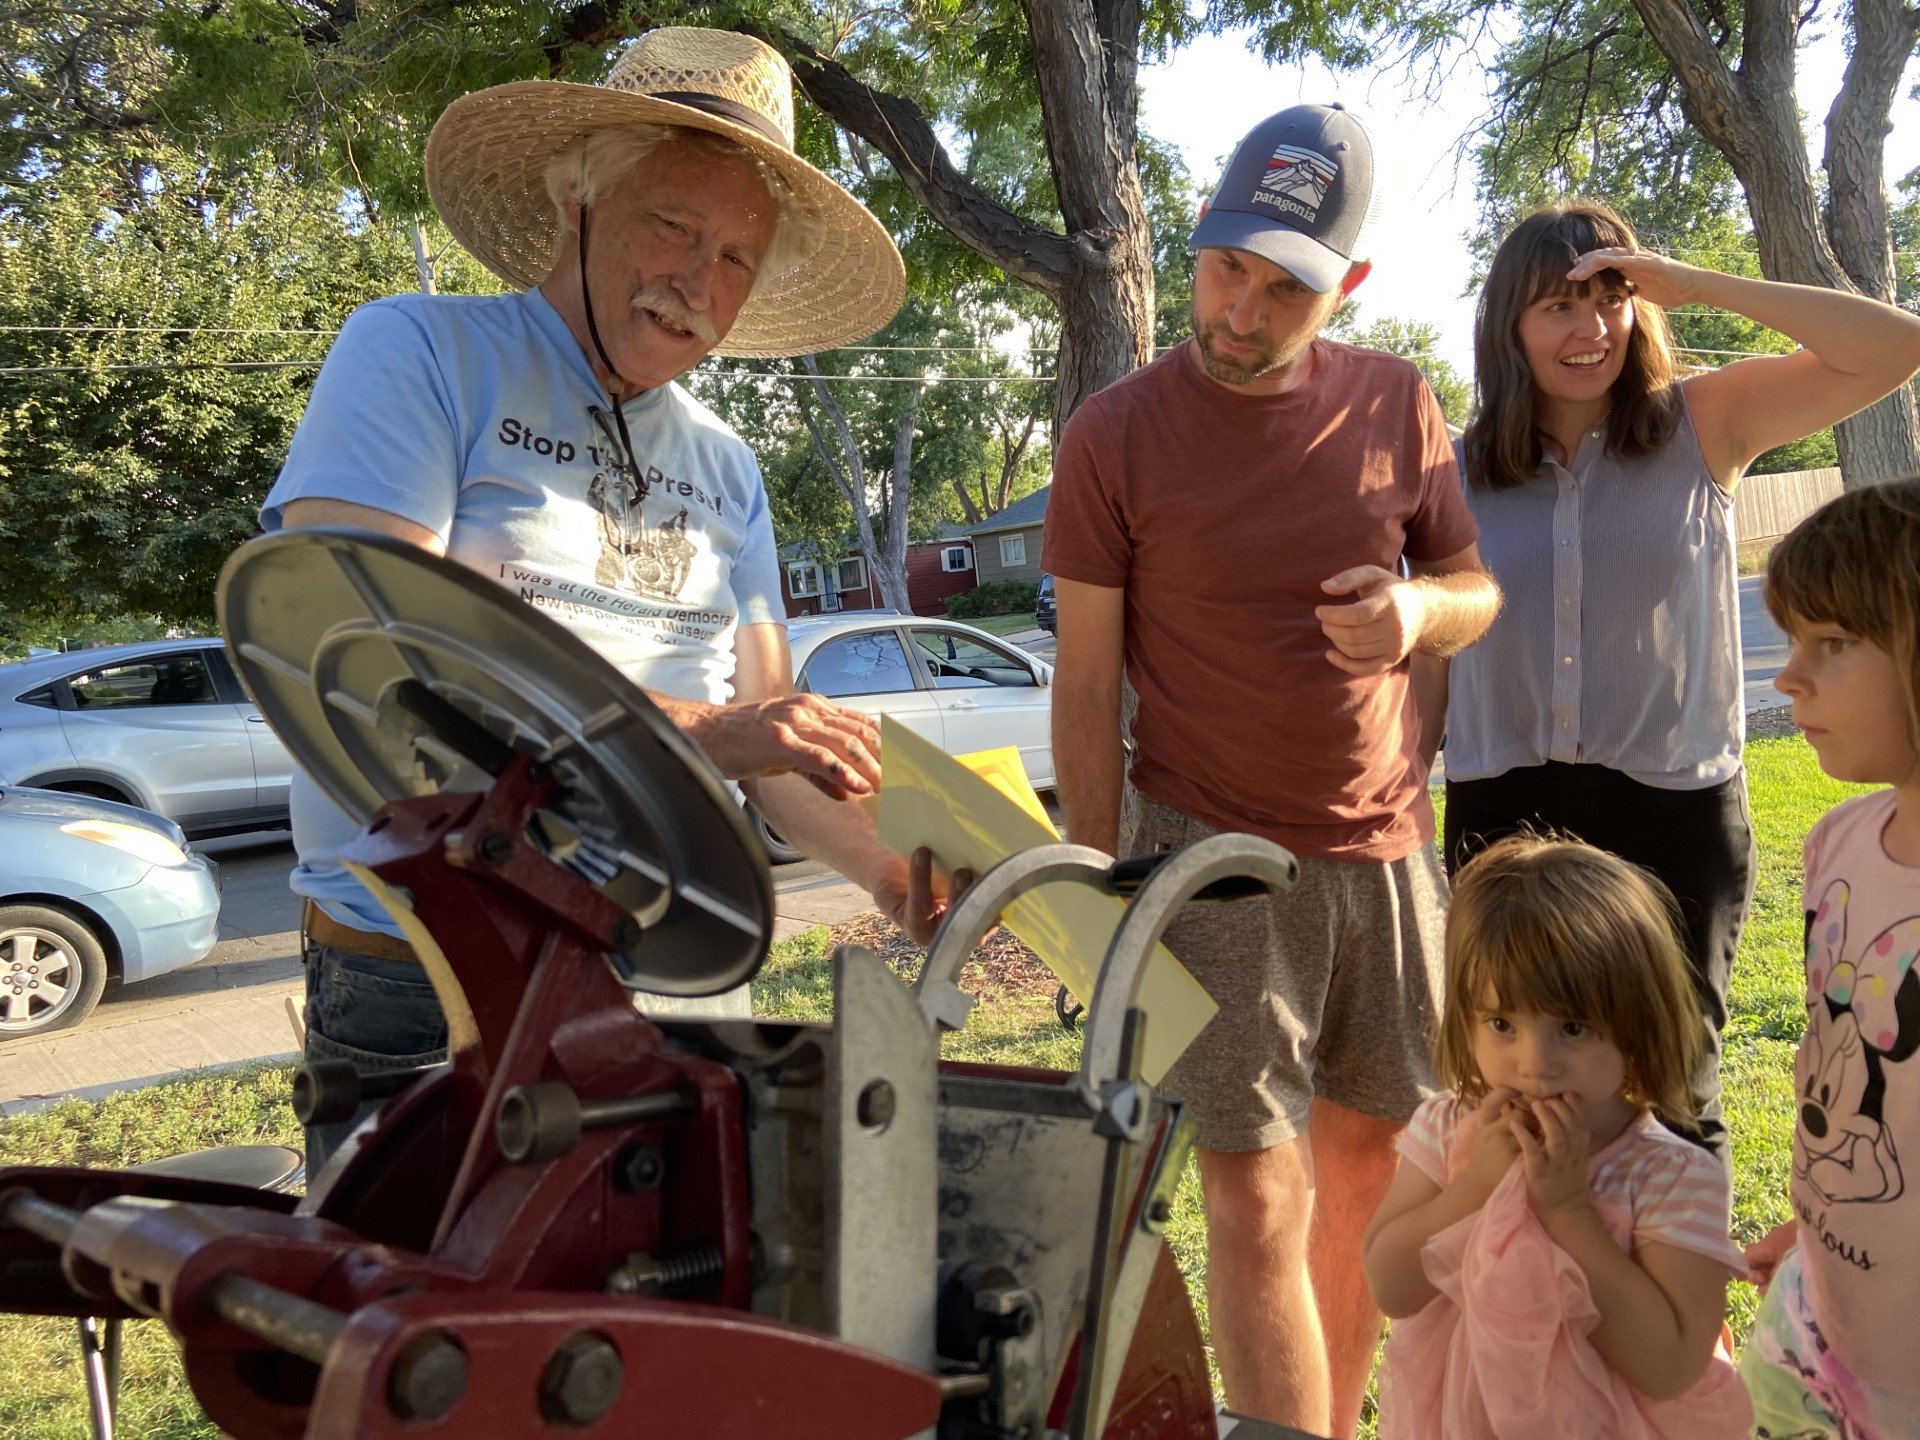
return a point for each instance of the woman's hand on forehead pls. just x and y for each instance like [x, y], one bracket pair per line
[1646, 276]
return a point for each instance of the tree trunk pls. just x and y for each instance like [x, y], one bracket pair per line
[1753, 119]
[1882, 442]
[1086, 59]
[846, 468]
[890, 564]
[969, 512]
[1100, 273]
[423, 263]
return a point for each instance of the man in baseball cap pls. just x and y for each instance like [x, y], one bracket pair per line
[1227, 529]
[1297, 195]
[540, 438]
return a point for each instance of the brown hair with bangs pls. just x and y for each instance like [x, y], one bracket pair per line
[1503, 438]
[1552, 925]
[1855, 563]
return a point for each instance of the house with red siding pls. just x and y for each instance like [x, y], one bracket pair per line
[936, 568]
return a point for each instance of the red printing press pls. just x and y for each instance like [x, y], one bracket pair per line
[590, 1222]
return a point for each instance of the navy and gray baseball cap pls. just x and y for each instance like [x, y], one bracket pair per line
[1296, 193]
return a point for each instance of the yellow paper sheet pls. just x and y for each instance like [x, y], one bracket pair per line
[973, 812]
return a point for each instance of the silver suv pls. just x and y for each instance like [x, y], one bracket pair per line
[162, 724]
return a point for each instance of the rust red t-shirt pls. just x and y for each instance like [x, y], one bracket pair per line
[1220, 513]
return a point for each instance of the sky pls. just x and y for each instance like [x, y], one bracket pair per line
[1212, 92]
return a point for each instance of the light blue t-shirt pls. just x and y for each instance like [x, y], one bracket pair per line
[469, 415]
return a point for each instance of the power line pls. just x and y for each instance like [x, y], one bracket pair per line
[726, 377]
[161, 365]
[716, 376]
[159, 330]
[270, 330]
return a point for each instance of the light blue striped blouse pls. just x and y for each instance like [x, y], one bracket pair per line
[1618, 641]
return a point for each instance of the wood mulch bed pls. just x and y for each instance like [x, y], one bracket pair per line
[1002, 965]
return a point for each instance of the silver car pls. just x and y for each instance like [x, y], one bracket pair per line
[163, 725]
[90, 892]
[956, 686]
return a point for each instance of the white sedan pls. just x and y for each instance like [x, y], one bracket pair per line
[959, 687]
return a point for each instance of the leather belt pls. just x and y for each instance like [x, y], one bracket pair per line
[323, 929]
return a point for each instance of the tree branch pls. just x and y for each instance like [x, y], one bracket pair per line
[895, 127]
[1711, 94]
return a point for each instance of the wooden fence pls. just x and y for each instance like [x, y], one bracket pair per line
[1766, 507]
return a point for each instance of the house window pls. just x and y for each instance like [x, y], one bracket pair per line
[850, 574]
[1013, 550]
[803, 579]
[956, 557]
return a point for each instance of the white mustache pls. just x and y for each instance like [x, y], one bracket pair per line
[667, 306]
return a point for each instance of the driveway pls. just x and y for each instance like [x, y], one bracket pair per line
[1764, 645]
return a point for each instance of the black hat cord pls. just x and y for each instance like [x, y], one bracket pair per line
[619, 402]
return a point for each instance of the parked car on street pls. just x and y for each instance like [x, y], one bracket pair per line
[956, 686]
[1044, 611]
[92, 891]
[162, 724]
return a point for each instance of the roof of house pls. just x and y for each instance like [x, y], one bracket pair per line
[1030, 510]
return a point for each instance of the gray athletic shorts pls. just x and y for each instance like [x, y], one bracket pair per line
[1330, 989]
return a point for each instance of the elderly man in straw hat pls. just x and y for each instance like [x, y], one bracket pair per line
[539, 438]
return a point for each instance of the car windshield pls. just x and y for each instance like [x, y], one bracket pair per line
[870, 664]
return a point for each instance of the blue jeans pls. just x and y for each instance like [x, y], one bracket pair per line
[380, 1014]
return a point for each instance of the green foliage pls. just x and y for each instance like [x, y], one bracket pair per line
[1588, 105]
[1413, 340]
[164, 328]
[996, 597]
[19, 637]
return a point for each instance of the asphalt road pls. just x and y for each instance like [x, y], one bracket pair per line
[1765, 647]
[260, 921]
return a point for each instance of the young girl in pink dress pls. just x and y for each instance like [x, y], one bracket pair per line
[1833, 1350]
[1555, 1260]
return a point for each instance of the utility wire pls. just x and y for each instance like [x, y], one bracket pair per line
[267, 330]
[718, 376]
[724, 377]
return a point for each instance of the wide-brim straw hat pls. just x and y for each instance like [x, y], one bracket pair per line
[487, 161]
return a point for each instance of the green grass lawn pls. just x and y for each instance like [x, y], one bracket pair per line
[40, 1389]
[1003, 624]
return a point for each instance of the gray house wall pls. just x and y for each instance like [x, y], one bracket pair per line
[986, 554]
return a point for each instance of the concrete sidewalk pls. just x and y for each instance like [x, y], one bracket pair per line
[241, 1010]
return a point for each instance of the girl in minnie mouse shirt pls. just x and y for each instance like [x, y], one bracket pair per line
[1833, 1349]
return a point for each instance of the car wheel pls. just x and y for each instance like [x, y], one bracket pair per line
[93, 791]
[771, 841]
[52, 970]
